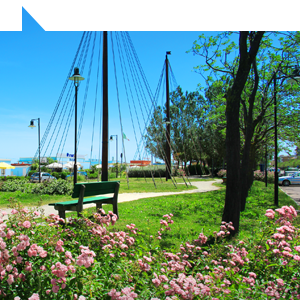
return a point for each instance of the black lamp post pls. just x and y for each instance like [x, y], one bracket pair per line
[121, 163]
[275, 148]
[266, 164]
[111, 139]
[32, 126]
[76, 78]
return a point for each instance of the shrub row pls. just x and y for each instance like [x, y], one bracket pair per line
[258, 175]
[196, 170]
[15, 185]
[11, 178]
[139, 172]
[59, 187]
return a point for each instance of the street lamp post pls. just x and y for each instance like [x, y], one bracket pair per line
[111, 138]
[76, 78]
[121, 163]
[32, 126]
[275, 148]
[266, 164]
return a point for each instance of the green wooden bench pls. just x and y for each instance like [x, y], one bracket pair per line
[88, 189]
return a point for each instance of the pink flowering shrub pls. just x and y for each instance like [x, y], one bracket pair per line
[222, 173]
[87, 259]
[260, 176]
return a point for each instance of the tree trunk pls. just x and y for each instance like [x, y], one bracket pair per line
[252, 166]
[232, 200]
[246, 167]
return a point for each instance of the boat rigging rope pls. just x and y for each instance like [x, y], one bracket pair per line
[96, 97]
[44, 138]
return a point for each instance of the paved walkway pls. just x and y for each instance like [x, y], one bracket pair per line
[202, 186]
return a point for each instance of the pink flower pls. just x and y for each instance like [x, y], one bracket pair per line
[280, 282]
[17, 298]
[270, 213]
[34, 297]
[55, 289]
[43, 268]
[10, 279]
[27, 224]
[156, 282]
[59, 247]
[81, 298]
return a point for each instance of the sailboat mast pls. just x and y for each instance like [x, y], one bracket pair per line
[104, 175]
[168, 124]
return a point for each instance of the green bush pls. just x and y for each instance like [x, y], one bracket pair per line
[196, 170]
[92, 175]
[58, 187]
[80, 178]
[11, 178]
[15, 185]
[31, 172]
[57, 175]
[112, 175]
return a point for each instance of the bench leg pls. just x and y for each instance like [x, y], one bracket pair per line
[62, 214]
[98, 206]
[115, 209]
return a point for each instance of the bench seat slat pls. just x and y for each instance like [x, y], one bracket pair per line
[85, 201]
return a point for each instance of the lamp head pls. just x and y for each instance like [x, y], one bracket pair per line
[111, 138]
[76, 77]
[31, 124]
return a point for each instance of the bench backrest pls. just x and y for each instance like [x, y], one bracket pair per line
[95, 188]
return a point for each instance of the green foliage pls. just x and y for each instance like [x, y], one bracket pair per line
[93, 175]
[44, 169]
[12, 178]
[21, 185]
[196, 170]
[31, 172]
[290, 163]
[80, 178]
[146, 172]
[58, 187]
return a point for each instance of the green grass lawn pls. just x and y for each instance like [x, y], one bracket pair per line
[195, 213]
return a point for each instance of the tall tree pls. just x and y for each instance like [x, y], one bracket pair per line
[250, 24]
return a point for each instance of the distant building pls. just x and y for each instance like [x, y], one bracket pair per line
[64, 158]
[21, 169]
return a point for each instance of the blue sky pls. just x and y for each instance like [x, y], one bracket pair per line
[35, 64]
